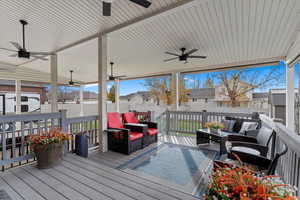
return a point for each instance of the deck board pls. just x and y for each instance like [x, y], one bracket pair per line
[92, 178]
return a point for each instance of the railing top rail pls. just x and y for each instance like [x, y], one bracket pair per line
[81, 119]
[29, 117]
[212, 113]
[290, 138]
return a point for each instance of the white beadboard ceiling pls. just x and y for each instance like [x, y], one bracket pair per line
[226, 31]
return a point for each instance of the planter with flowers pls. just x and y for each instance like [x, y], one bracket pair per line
[214, 127]
[240, 183]
[48, 147]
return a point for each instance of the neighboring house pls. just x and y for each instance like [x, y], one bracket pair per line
[223, 100]
[277, 103]
[137, 98]
[204, 95]
[260, 100]
[218, 95]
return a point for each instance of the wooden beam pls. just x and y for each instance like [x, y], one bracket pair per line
[102, 93]
[290, 97]
[18, 85]
[54, 85]
[117, 94]
[81, 100]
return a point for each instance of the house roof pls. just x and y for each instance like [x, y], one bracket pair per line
[259, 95]
[144, 94]
[202, 93]
[229, 33]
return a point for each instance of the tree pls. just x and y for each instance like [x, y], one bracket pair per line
[183, 92]
[111, 96]
[238, 83]
[158, 89]
[209, 82]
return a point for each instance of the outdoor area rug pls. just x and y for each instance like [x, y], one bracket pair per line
[181, 167]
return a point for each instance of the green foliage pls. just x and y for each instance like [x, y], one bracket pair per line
[111, 96]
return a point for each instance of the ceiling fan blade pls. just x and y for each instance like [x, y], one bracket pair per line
[143, 3]
[39, 57]
[106, 8]
[202, 57]
[13, 55]
[16, 45]
[8, 49]
[173, 54]
[167, 60]
[41, 53]
[191, 51]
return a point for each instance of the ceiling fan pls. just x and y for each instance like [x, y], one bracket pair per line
[184, 55]
[107, 5]
[71, 82]
[21, 51]
[112, 77]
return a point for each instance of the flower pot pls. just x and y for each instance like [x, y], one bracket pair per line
[81, 145]
[48, 155]
[215, 131]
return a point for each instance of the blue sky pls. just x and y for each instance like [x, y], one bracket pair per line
[132, 86]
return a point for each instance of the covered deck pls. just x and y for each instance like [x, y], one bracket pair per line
[233, 34]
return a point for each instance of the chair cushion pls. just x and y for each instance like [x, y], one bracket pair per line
[114, 121]
[152, 131]
[228, 125]
[247, 126]
[264, 135]
[246, 150]
[130, 118]
[135, 136]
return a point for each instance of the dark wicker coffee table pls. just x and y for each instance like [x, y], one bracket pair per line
[204, 136]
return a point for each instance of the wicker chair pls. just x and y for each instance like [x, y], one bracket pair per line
[123, 138]
[152, 132]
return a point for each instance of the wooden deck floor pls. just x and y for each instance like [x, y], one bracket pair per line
[93, 178]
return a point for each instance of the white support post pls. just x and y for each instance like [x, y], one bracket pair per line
[290, 98]
[81, 100]
[102, 93]
[175, 79]
[18, 86]
[54, 87]
[117, 95]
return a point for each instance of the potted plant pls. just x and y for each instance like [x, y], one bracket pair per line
[240, 183]
[214, 127]
[48, 147]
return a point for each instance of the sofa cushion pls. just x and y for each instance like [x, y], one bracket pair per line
[130, 118]
[152, 131]
[228, 125]
[264, 135]
[114, 121]
[246, 150]
[135, 136]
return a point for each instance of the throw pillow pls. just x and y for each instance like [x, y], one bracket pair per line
[247, 126]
